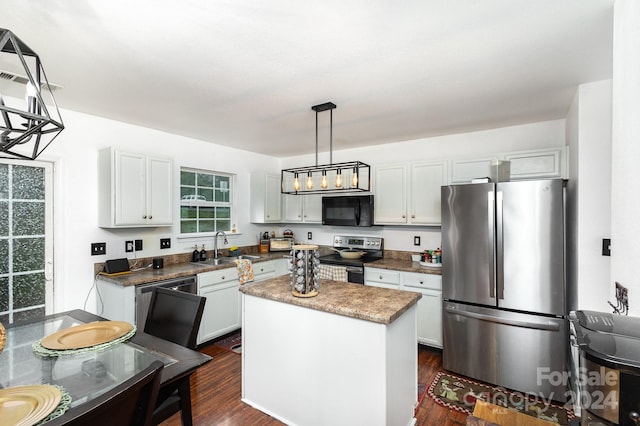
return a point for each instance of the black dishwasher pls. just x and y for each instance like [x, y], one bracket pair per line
[143, 294]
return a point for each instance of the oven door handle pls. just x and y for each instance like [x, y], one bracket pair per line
[355, 269]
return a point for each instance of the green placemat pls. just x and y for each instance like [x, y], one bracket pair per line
[62, 407]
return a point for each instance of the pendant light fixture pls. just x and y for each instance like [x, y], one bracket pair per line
[27, 127]
[329, 175]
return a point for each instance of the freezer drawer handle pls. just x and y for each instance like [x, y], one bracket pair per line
[516, 323]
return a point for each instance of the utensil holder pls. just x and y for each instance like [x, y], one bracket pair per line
[305, 270]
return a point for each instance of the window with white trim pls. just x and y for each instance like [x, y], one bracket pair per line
[206, 201]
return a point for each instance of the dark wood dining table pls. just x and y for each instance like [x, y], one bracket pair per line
[87, 375]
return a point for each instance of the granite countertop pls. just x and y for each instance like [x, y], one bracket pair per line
[404, 265]
[373, 304]
[148, 275]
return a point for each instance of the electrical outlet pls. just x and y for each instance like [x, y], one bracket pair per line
[98, 248]
[309, 235]
[165, 243]
[606, 246]
[138, 245]
[416, 240]
[128, 246]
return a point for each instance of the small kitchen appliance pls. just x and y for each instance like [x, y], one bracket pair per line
[280, 244]
[607, 383]
[372, 248]
[353, 210]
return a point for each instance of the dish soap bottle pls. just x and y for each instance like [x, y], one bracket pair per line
[195, 256]
[203, 254]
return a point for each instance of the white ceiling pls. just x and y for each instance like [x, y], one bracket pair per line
[245, 73]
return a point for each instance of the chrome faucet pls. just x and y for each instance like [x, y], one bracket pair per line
[215, 243]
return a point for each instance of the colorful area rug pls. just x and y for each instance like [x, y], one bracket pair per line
[460, 394]
[231, 343]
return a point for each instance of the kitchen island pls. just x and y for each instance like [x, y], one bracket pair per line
[344, 357]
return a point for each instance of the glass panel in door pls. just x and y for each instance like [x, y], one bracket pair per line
[26, 286]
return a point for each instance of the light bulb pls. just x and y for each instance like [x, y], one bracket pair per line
[309, 181]
[354, 178]
[296, 182]
[324, 184]
[339, 179]
[30, 98]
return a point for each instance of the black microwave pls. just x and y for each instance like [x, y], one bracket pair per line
[352, 210]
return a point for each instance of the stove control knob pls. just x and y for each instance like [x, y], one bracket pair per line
[633, 415]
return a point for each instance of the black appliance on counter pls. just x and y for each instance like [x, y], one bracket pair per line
[373, 248]
[352, 210]
[608, 382]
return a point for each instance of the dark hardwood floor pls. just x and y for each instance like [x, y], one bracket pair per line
[215, 393]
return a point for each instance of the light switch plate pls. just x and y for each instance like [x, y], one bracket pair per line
[416, 240]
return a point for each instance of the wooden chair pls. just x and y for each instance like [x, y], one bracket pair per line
[131, 403]
[174, 316]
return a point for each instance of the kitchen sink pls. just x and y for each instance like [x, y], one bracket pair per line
[226, 259]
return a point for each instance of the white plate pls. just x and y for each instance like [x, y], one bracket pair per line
[431, 265]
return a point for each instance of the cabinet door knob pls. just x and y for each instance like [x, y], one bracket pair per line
[421, 282]
[404, 216]
[150, 217]
[223, 277]
[413, 216]
[144, 217]
[380, 277]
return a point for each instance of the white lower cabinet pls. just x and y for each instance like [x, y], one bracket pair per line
[264, 270]
[429, 306]
[384, 278]
[429, 326]
[222, 310]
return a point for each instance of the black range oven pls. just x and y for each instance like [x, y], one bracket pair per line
[372, 248]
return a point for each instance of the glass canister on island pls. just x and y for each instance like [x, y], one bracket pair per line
[305, 270]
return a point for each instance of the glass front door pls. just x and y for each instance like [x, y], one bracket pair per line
[26, 246]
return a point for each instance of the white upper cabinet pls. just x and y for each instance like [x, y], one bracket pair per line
[302, 208]
[266, 204]
[463, 171]
[390, 194]
[538, 164]
[135, 190]
[545, 163]
[409, 194]
[424, 198]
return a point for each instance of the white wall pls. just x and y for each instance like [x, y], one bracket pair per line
[589, 194]
[74, 154]
[464, 145]
[625, 196]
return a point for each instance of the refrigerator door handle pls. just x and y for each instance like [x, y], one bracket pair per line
[499, 245]
[491, 241]
[506, 321]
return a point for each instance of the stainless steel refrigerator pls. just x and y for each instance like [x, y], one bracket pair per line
[504, 288]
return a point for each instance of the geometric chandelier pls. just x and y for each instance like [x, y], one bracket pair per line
[30, 119]
[350, 176]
